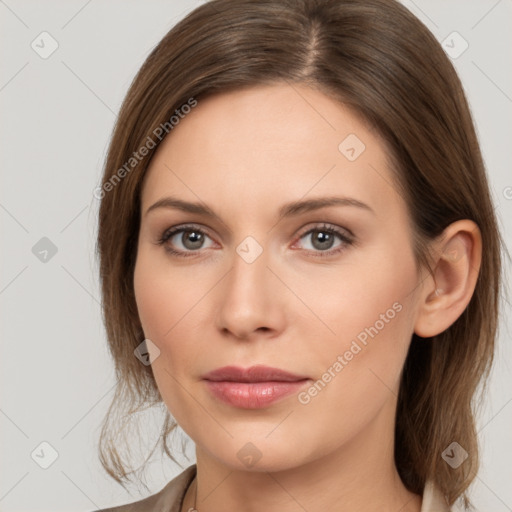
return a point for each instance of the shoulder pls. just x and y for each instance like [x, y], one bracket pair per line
[168, 499]
[433, 500]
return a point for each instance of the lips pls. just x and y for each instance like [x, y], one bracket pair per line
[252, 388]
[259, 373]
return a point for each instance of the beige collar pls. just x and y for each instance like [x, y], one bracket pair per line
[433, 500]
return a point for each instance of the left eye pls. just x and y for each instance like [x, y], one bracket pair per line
[323, 237]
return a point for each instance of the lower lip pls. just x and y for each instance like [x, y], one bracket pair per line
[253, 395]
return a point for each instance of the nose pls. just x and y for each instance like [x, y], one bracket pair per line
[251, 299]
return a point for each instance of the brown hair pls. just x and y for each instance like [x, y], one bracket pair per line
[378, 59]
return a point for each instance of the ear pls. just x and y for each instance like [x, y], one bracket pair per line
[457, 255]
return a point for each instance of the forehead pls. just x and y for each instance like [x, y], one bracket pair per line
[265, 143]
[281, 116]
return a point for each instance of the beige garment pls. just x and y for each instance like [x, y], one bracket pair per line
[170, 498]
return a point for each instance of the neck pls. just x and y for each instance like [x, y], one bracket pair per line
[358, 476]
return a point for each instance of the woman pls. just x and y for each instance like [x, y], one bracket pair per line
[293, 212]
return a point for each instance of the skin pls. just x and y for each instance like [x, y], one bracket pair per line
[245, 154]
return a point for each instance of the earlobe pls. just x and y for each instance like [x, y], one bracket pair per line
[445, 296]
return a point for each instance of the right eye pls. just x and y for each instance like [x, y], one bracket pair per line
[190, 237]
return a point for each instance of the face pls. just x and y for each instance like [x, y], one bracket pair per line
[326, 293]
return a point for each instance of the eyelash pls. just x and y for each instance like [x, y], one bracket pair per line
[327, 228]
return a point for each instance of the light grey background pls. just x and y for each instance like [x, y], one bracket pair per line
[57, 116]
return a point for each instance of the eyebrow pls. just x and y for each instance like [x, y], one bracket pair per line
[287, 210]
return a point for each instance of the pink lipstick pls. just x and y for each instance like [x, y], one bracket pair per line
[252, 388]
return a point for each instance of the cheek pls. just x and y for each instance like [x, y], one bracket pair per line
[368, 309]
[150, 292]
[359, 372]
[168, 303]
[369, 291]
[162, 303]
[164, 295]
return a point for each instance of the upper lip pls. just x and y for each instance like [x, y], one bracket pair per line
[258, 373]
